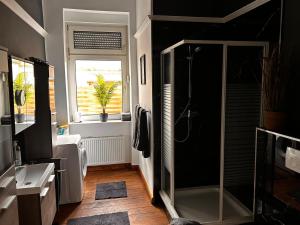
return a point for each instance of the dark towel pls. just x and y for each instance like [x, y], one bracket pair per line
[143, 143]
[141, 140]
[136, 127]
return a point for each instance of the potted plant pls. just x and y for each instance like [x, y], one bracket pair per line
[22, 92]
[104, 91]
[275, 82]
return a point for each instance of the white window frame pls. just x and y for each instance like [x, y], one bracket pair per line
[97, 55]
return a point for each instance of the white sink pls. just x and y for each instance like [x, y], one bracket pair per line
[31, 179]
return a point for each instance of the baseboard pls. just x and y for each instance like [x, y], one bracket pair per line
[109, 167]
[136, 167]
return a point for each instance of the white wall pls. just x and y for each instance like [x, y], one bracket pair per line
[98, 17]
[144, 46]
[143, 9]
[55, 51]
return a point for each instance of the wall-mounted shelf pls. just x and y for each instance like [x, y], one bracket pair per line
[19, 11]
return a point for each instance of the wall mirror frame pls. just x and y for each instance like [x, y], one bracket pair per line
[22, 93]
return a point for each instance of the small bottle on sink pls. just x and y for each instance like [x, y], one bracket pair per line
[18, 157]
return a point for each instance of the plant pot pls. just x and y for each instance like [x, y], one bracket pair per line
[20, 118]
[275, 121]
[103, 117]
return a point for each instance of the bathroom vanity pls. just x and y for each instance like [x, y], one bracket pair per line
[8, 198]
[36, 193]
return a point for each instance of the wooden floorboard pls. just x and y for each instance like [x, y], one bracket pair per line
[137, 204]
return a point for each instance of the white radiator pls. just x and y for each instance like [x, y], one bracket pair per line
[105, 150]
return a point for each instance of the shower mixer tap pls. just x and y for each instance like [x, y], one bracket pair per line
[187, 108]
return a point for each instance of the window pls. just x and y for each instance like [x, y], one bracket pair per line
[86, 72]
[95, 51]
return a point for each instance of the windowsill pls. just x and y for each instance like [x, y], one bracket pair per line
[99, 122]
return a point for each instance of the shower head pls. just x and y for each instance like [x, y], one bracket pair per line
[191, 54]
[198, 49]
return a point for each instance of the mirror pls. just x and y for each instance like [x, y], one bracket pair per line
[23, 94]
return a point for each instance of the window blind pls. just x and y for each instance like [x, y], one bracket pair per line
[97, 40]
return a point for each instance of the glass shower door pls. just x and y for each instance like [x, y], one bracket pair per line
[208, 139]
[198, 70]
[241, 117]
[167, 167]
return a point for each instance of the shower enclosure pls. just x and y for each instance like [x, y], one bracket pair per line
[211, 106]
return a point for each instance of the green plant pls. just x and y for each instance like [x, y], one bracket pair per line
[104, 90]
[20, 84]
[275, 82]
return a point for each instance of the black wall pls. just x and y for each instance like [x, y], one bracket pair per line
[20, 39]
[229, 6]
[209, 8]
[261, 24]
[187, 8]
[291, 60]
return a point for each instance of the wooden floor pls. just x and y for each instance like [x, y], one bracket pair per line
[138, 205]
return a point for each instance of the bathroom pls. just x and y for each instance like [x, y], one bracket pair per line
[189, 120]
